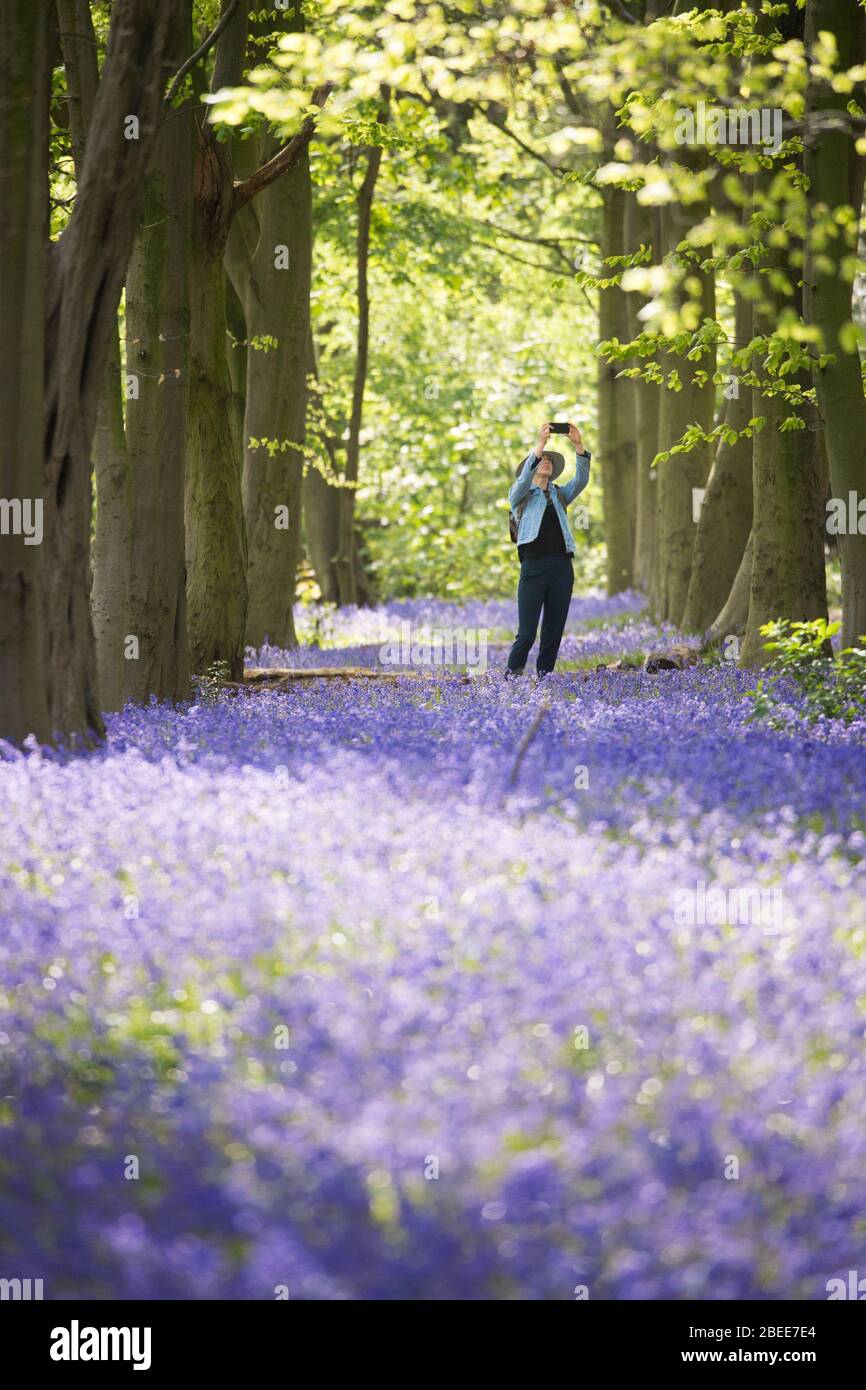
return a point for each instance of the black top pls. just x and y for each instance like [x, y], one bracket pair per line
[550, 540]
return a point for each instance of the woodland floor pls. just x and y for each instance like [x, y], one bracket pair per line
[325, 989]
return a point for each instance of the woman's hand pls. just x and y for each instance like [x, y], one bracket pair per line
[543, 436]
[575, 437]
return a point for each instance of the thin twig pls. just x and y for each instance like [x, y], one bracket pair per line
[502, 125]
[200, 52]
[622, 11]
[527, 739]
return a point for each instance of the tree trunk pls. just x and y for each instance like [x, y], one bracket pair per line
[788, 577]
[81, 64]
[140, 568]
[112, 536]
[726, 514]
[321, 529]
[836, 174]
[617, 445]
[682, 473]
[277, 302]
[85, 270]
[25, 76]
[216, 535]
[109, 551]
[731, 621]
[237, 354]
[216, 552]
[642, 228]
[215, 539]
[658, 575]
[346, 550]
[321, 500]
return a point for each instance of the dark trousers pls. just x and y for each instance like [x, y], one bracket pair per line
[545, 584]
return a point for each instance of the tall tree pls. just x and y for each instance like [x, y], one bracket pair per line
[788, 578]
[345, 561]
[836, 171]
[139, 583]
[321, 504]
[617, 428]
[269, 256]
[731, 621]
[692, 402]
[83, 274]
[643, 229]
[216, 537]
[24, 74]
[109, 552]
[725, 517]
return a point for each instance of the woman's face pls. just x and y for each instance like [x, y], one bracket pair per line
[545, 467]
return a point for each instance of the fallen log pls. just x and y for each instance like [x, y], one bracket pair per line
[621, 665]
[671, 659]
[270, 676]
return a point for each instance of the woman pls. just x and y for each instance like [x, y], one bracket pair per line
[546, 549]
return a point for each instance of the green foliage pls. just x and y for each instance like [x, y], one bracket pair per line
[830, 687]
[206, 688]
[458, 385]
[506, 125]
[479, 332]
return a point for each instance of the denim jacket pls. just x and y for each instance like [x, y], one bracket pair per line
[530, 519]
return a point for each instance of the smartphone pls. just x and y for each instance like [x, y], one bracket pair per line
[557, 427]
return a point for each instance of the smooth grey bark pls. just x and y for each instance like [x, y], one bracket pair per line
[726, 514]
[617, 444]
[347, 577]
[24, 81]
[139, 591]
[111, 538]
[693, 404]
[643, 228]
[731, 621]
[237, 355]
[836, 176]
[269, 259]
[157, 319]
[275, 290]
[788, 576]
[217, 594]
[321, 512]
[321, 507]
[84, 277]
[321, 529]
[215, 538]
[109, 454]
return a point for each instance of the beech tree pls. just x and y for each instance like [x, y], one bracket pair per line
[345, 559]
[215, 528]
[79, 285]
[787, 532]
[139, 574]
[617, 422]
[835, 164]
[24, 72]
[269, 258]
[725, 516]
